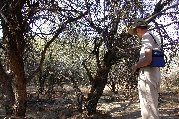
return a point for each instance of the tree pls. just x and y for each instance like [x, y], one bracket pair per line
[104, 22]
[16, 20]
[108, 20]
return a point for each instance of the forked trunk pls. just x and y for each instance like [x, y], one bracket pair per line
[97, 88]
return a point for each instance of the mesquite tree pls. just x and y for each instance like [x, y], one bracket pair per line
[108, 20]
[104, 21]
[17, 20]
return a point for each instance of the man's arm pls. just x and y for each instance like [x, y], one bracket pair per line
[145, 61]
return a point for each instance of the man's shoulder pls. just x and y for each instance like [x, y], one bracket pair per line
[150, 37]
[147, 35]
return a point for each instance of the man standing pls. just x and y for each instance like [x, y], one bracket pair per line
[149, 77]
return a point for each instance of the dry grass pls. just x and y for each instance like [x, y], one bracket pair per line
[110, 106]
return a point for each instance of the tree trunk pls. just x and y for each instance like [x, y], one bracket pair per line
[7, 90]
[17, 67]
[97, 88]
[13, 33]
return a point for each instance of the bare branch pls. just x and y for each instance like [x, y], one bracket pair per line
[58, 31]
[150, 18]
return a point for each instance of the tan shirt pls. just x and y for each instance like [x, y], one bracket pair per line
[152, 73]
[148, 42]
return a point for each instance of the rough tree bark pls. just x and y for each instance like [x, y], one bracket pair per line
[97, 88]
[17, 67]
[99, 81]
[13, 34]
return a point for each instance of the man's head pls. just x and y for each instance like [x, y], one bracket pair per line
[139, 27]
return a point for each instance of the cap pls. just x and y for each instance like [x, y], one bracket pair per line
[137, 23]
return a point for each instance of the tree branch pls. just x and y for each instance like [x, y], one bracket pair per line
[153, 16]
[58, 31]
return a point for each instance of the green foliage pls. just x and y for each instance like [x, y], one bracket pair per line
[176, 82]
[77, 43]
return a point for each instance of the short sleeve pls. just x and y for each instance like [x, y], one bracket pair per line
[147, 42]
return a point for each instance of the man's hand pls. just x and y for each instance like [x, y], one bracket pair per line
[143, 62]
[134, 68]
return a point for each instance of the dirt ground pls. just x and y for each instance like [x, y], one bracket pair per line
[110, 106]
